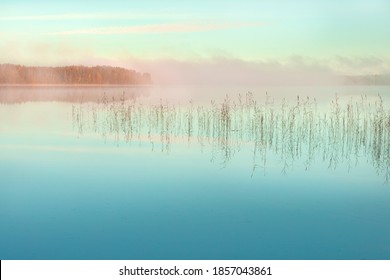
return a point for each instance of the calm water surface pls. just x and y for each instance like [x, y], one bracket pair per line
[79, 180]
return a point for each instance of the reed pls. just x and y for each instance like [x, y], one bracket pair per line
[293, 131]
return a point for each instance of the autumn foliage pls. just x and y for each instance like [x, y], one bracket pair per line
[18, 74]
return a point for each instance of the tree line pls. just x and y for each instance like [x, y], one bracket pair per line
[19, 74]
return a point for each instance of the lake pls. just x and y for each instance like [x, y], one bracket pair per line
[192, 172]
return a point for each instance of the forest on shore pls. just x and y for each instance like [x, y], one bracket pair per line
[19, 74]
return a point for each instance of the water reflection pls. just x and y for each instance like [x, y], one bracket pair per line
[69, 94]
[349, 132]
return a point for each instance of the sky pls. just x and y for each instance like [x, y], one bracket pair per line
[178, 40]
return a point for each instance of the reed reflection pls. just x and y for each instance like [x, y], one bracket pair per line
[347, 133]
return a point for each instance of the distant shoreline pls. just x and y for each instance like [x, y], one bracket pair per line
[74, 75]
[79, 85]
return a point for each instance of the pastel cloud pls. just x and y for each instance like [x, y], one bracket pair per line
[160, 28]
[97, 16]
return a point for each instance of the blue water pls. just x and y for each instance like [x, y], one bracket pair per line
[66, 196]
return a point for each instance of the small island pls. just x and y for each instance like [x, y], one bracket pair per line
[71, 75]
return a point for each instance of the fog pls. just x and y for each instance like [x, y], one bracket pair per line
[227, 71]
